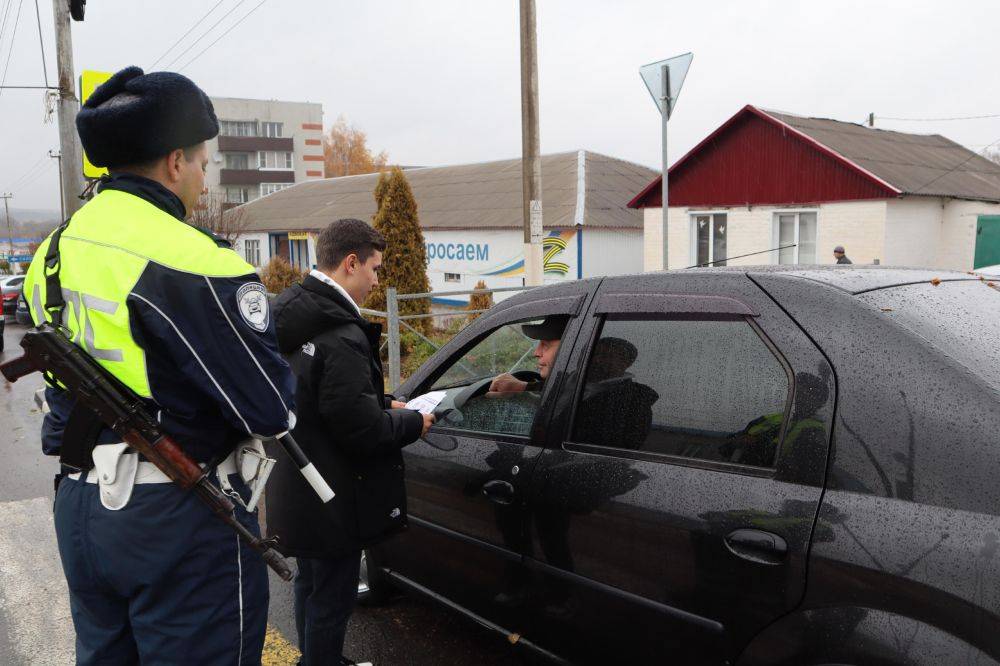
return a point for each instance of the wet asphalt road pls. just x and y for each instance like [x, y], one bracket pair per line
[405, 631]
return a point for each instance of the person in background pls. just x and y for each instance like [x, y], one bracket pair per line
[351, 430]
[838, 253]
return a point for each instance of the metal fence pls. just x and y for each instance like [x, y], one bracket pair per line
[395, 323]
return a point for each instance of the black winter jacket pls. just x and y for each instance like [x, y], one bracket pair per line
[343, 425]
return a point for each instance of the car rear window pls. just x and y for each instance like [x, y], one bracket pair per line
[962, 319]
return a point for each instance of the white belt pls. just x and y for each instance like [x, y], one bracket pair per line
[149, 473]
[118, 472]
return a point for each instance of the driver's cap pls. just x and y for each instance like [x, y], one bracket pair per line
[551, 328]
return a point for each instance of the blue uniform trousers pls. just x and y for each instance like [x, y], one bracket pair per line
[161, 581]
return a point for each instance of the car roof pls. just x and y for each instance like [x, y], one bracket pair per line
[853, 278]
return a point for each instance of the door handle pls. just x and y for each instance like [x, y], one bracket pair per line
[499, 491]
[757, 546]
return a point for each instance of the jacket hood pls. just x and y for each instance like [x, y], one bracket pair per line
[305, 310]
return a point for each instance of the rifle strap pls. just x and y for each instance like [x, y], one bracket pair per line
[54, 302]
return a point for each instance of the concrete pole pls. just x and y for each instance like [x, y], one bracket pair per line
[69, 146]
[392, 322]
[10, 230]
[531, 159]
[665, 96]
[62, 199]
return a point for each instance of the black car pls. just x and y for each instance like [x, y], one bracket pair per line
[731, 466]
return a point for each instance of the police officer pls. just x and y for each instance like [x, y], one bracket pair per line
[183, 321]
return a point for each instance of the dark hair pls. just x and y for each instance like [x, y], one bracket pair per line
[149, 167]
[345, 237]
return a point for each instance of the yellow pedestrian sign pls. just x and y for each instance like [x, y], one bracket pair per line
[89, 80]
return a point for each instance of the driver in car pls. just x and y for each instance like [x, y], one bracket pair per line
[548, 333]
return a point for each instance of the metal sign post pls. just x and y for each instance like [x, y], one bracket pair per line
[664, 79]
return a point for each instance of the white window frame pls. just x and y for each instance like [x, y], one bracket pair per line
[244, 191]
[250, 125]
[274, 187]
[267, 125]
[288, 159]
[693, 234]
[251, 251]
[775, 233]
[452, 277]
[249, 157]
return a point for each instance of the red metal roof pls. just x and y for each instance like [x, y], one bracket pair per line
[753, 159]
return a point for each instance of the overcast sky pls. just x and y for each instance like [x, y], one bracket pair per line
[437, 82]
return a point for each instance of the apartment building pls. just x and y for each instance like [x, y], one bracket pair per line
[263, 146]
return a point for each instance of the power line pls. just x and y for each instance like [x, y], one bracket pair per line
[190, 30]
[3, 22]
[10, 51]
[204, 34]
[938, 120]
[956, 167]
[41, 43]
[24, 174]
[222, 35]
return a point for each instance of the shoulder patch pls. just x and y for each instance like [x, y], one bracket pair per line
[309, 348]
[251, 299]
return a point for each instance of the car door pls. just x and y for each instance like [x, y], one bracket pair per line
[466, 479]
[670, 515]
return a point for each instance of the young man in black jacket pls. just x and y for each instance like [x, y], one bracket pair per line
[347, 426]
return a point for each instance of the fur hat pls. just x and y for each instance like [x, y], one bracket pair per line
[134, 117]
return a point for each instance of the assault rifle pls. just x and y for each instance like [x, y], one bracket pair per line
[47, 349]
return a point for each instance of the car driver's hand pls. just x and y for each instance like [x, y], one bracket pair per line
[429, 420]
[507, 383]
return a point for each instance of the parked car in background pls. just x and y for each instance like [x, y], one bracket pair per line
[3, 322]
[23, 315]
[773, 465]
[10, 289]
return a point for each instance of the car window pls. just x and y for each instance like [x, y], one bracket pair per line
[505, 350]
[710, 390]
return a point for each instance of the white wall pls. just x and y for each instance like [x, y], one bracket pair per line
[240, 246]
[857, 225]
[609, 252]
[958, 233]
[913, 228]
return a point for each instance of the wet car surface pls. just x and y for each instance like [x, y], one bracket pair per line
[753, 465]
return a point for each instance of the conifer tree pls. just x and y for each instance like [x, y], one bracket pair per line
[404, 262]
[482, 301]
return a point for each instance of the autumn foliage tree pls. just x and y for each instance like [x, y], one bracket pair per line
[279, 275]
[481, 301]
[346, 152]
[404, 262]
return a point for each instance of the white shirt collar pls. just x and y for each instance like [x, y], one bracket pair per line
[326, 279]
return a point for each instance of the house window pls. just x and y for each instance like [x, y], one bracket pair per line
[238, 127]
[237, 195]
[274, 159]
[709, 238]
[796, 233]
[237, 161]
[271, 129]
[251, 250]
[452, 277]
[271, 188]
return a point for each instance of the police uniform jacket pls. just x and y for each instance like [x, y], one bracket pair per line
[179, 319]
[343, 426]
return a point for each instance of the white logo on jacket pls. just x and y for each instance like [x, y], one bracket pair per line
[252, 301]
[309, 348]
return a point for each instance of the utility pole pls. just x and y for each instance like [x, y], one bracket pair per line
[871, 120]
[10, 232]
[71, 178]
[62, 204]
[531, 160]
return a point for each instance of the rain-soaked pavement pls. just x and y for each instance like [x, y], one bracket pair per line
[35, 626]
